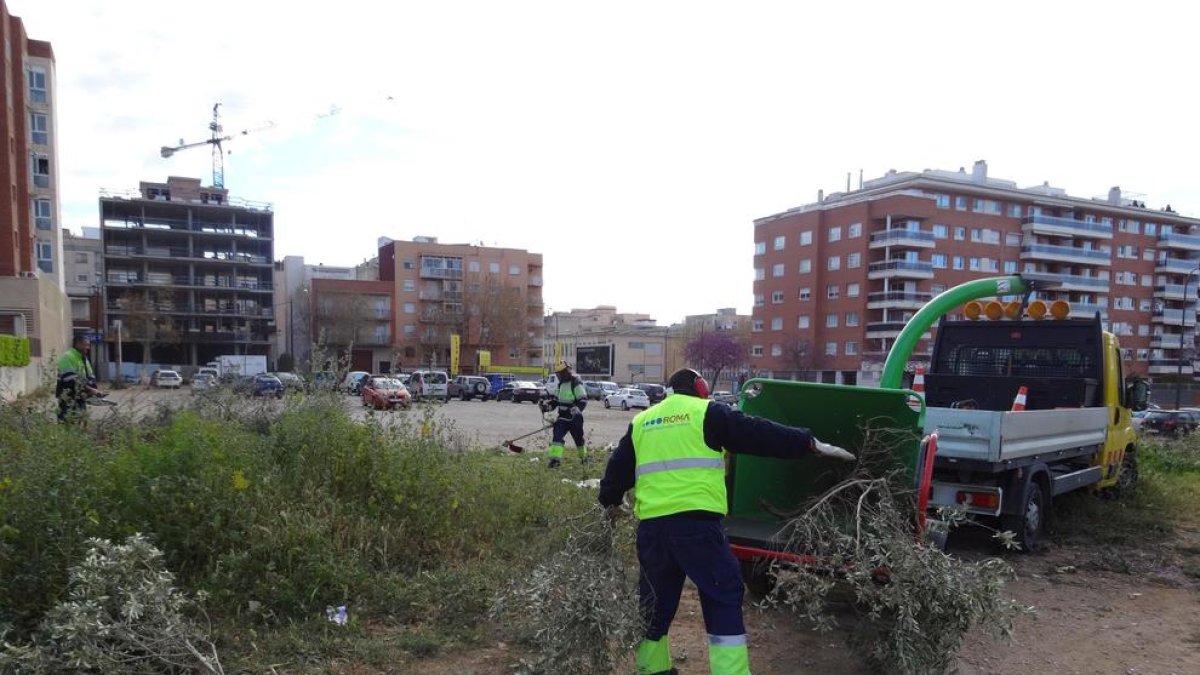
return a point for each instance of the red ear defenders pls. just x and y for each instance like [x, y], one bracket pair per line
[701, 387]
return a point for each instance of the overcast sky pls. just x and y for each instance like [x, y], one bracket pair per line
[631, 143]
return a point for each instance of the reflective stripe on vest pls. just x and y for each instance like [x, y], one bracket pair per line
[675, 470]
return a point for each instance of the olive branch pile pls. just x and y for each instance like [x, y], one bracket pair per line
[914, 602]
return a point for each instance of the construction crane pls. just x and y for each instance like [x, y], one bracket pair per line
[216, 139]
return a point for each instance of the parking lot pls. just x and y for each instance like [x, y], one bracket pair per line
[481, 424]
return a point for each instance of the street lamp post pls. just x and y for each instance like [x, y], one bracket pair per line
[1182, 335]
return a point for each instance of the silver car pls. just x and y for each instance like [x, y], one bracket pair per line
[167, 379]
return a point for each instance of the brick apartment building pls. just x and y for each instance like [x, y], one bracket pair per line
[32, 303]
[187, 273]
[836, 280]
[490, 297]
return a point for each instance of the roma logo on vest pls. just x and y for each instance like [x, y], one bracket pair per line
[669, 419]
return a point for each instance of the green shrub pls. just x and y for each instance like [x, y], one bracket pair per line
[14, 351]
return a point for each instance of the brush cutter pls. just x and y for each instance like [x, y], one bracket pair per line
[512, 445]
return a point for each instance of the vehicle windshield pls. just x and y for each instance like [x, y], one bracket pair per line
[385, 383]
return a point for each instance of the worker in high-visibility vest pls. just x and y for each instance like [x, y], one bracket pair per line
[672, 455]
[76, 381]
[569, 397]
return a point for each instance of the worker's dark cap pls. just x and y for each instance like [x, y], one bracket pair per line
[683, 381]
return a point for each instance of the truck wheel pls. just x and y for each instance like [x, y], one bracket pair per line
[1030, 524]
[757, 575]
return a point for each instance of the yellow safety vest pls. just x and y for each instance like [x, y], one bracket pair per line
[676, 471]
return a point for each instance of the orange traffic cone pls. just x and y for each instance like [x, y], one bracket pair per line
[1019, 401]
[919, 382]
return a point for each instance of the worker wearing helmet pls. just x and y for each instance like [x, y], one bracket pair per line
[569, 397]
[672, 455]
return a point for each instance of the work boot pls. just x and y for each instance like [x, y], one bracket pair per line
[554, 462]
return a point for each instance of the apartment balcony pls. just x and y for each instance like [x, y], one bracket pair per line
[1050, 253]
[1087, 310]
[1181, 242]
[902, 238]
[898, 300]
[1169, 341]
[1067, 227]
[441, 296]
[154, 226]
[1174, 317]
[900, 269]
[535, 280]
[242, 336]
[1169, 367]
[1079, 282]
[1176, 266]
[1176, 291]
[887, 329]
[441, 273]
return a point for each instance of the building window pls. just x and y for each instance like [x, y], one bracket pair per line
[756, 350]
[777, 323]
[853, 260]
[776, 350]
[779, 242]
[831, 320]
[960, 203]
[410, 285]
[1144, 306]
[937, 289]
[938, 260]
[756, 326]
[41, 171]
[943, 201]
[803, 322]
[832, 291]
[81, 278]
[854, 230]
[472, 265]
[1012, 239]
[777, 298]
[777, 270]
[494, 268]
[758, 300]
[830, 349]
[1148, 254]
[39, 129]
[939, 231]
[1147, 280]
[409, 329]
[805, 294]
[410, 308]
[834, 263]
[960, 233]
[852, 290]
[958, 262]
[987, 206]
[851, 319]
[805, 265]
[806, 238]
[37, 85]
[759, 274]
[1010, 267]
[1151, 229]
[973, 264]
[45, 256]
[1014, 210]
[760, 247]
[42, 210]
[851, 348]
[835, 233]
[514, 270]
[408, 263]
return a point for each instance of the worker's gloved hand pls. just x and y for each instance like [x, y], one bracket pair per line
[824, 449]
[546, 405]
[574, 410]
[613, 513]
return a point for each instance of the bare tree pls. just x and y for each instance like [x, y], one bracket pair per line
[498, 316]
[799, 353]
[341, 320]
[713, 351]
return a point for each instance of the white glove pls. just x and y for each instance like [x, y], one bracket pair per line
[575, 410]
[832, 451]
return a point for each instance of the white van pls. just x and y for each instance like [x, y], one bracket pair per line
[435, 384]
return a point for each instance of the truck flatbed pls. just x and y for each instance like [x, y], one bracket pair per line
[1006, 438]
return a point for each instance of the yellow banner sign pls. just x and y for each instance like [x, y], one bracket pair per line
[454, 345]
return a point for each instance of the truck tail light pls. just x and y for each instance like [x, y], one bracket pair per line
[985, 500]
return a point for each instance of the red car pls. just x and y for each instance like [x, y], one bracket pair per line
[385, 392]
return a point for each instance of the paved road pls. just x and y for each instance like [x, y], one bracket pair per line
[480, 424]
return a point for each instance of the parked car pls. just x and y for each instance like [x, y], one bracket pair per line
[627, 398]
[594, 391]
[468, 387]
[353, 381]
[434, 384]
[498, 380]
[204, 382]
[208, 370]
[266, 384]
[609, 388]
[519, 390]
[291, 381]
[727, 397]
[1170, 422]
[382, 392]
[655, 392]
[166, 379]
